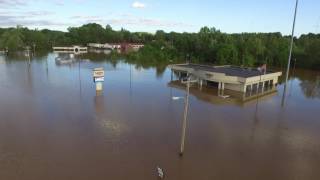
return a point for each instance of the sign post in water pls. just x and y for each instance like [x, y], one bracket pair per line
[98, 78]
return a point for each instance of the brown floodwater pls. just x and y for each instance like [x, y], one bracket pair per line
[53, 125]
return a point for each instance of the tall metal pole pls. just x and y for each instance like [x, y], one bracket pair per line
[130, 80]
[29, 57]
[34, 48]
[185, 115]
[290, 53]
[47, 69]
[79, 76]
[293, 73]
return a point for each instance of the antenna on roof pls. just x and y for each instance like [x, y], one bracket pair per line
[290, 53]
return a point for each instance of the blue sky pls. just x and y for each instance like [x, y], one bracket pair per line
[230, 16]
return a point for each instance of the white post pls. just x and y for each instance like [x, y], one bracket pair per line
[29, 59]
[171, 74]
[201, 83]
[99, 86]
[219, 88]
[222, 88]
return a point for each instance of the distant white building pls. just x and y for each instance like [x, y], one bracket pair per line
[70, 49]
[136, 46]
[100, 46]
[115, 46]
[95, 45]
[122, 46]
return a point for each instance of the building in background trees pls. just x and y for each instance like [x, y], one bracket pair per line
[209, 45]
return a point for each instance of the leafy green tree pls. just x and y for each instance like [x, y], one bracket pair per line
[12, 39]
[209, 45]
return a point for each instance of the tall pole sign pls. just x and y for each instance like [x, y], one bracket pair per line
[98, 78]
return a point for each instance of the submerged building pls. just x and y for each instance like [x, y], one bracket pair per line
[228, 77]
[229, 97]
[71, 49]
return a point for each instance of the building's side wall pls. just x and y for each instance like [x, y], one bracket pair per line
[266, 77]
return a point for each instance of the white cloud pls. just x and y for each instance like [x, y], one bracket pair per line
[12, 21]
[29, 18]
[12, 2]
[138, 5]
[59, 2]
[125, 20]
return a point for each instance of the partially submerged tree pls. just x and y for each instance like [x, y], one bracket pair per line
[12, 39]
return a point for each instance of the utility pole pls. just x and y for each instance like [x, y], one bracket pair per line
[34, 48]
[290, 53]
[28, 50]
[185, 115]
[6, 51]
[47, 68]
[130, 81]
[293, 73]
[79, 77]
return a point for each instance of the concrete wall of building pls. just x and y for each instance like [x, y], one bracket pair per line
[266, 77]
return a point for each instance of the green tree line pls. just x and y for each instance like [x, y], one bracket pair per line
[209, 45]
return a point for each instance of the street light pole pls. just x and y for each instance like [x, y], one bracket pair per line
[29, 60]
[185, 115]
[290, 53]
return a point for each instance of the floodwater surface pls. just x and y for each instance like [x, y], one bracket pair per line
[53, 125]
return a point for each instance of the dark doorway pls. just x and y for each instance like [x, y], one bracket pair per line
[212, 84]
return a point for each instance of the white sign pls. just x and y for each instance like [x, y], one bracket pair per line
[98, 72]
[99, 79]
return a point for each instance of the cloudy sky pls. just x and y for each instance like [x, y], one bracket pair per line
[170, 15]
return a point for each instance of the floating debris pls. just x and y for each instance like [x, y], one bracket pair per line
[224, 96]
[160, 172]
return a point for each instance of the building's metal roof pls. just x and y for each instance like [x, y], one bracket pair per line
[228, 70]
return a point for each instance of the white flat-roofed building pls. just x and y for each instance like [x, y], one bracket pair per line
[228, 77]
[136, 46]
[115, 46]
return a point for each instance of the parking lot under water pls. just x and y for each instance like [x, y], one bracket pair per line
[53, 125]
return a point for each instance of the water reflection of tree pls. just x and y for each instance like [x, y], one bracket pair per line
[139, 63]
[22, 56]
[309, 82]
[311, 88]
[100, 57]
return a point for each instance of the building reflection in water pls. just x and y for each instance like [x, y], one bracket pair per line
[65, 59]
[100, 51]
[111, 124]
[211, 94]
[2, 59]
